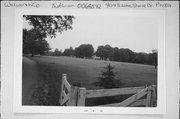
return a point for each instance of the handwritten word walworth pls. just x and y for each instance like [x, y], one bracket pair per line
[22, 4]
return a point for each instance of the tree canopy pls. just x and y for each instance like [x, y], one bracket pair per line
[42, 26]
[105, 52]
[68, 52]
[57, 52]
[34, 42]
[113, 54]
[50, 25]
[84, 51]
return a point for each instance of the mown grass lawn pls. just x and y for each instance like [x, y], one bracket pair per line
[86, 71]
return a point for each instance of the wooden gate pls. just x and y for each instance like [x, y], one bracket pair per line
[76, 96]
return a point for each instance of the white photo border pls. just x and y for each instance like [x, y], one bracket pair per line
[17, 94]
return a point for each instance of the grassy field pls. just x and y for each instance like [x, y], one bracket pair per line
[86, 71]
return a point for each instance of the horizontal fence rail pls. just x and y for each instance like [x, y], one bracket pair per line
[76, 96]
[131, 99]
[112, 92]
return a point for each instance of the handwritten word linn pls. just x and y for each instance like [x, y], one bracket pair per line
[62, 5]
[16, 4]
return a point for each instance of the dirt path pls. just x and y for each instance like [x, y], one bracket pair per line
[29, 80]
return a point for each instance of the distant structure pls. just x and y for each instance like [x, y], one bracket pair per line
[95, 57]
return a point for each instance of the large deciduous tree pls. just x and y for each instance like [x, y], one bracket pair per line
[84, 51]
[105, 52]
[34, 42]
[42, 26]
[126, 55]
[68, 52]
[57, 52]
[50, 25]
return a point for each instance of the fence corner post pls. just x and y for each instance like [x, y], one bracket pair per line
[81, 97]
[73, 96]
[148, 99]
[154, 96]
[64, 76]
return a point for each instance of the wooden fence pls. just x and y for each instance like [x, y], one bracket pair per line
[76, 96]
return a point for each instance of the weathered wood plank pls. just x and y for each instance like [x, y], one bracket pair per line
[138, 103]
[112, 92]
[64, 86]
[65, 98]
[61, 92]
[81, 97]
[66, 83]
[154, 97]
[148, 98]
[133, 98]
[134, 104]
[130, 100]
[73, 96]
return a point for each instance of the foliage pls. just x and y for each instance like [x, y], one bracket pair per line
[107, 79]
[113, 54]
[144, 58]
[57, 52]
[126, 55]
[34, 42]
[105, 52]
[84, 51]
[155, 57]
[68, 52]
[50, 25]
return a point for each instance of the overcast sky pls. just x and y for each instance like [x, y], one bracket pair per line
[140, 34]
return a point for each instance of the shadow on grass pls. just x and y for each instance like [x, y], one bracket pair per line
[48, 90]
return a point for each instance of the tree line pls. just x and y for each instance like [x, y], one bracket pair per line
[109, 53]
[34, 43]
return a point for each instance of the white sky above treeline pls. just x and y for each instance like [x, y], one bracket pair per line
[140, 34]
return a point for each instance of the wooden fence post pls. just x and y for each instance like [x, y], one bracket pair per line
[154, 97]
[65, 91]
[81, 97]
[148, 99]
[73, 96]
[64, 76]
